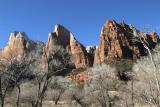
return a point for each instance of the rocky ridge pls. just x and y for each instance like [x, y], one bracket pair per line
[122, 41]
[117, 41]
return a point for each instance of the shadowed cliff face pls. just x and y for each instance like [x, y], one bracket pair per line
[63, 37]
[117, 41]
[60, 36]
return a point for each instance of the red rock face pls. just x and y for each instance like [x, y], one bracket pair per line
[81, 77]
[117, 41]
[154, 37]
[61, 36]
[79, 53]
[18, 46]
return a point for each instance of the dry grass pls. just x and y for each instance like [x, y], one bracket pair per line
[49, 104]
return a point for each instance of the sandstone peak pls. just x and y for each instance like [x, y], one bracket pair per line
[110, 23]
[117, 41]
[59, 27]
[60, 36]
[63, 37]
[19, 40]
[120, 41]
[18, 46]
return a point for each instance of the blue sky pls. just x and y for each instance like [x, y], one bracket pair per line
[82, 17]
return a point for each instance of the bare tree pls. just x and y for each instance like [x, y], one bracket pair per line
[29, 93]
[77, 93]
[101, 81]
[57, 88]
[147, 88]
[137, 37]
[57, 62]
[13, 72]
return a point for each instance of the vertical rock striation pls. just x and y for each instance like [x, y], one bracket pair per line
[118, 41]
[63, 37]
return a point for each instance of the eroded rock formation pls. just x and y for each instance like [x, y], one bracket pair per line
[119, 41]
[18, 46]
[63, 37]
[79, 53]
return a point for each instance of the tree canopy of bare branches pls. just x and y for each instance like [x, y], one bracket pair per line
[146, 85]
[12, 74]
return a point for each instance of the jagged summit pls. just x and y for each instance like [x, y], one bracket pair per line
[120, 41]
[117, 41]
[63, 37]
[18, 45]
[58, 27]
[60, 36]
[19, 37]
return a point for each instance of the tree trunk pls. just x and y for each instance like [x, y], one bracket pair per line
[79, 101]
[3, 99]
[37, 103]
[41, 102]
[132, 93]
[41, 93]
[2, 102]
[18, 96]
[1, 94]
[154, 70]
[56, 102]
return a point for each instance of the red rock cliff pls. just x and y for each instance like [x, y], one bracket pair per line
[63, 37]
[117, 41]
[19, 45]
